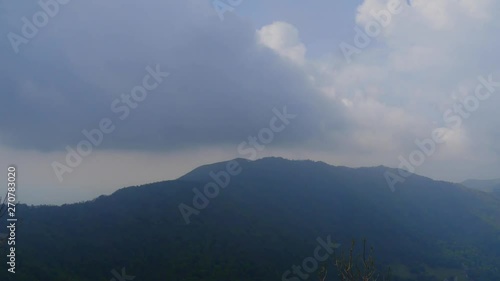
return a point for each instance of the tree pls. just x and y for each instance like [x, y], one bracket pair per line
[355, 268]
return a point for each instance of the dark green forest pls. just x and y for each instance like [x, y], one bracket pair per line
[266, 220]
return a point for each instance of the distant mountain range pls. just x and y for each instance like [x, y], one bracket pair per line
[491, 186]
[255, 220]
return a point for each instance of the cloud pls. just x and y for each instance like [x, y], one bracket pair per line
[429, 53]
[223, 83]
[226, 77]
[283, 38]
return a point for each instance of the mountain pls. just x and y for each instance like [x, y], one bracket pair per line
[491, 186]
[261, 218]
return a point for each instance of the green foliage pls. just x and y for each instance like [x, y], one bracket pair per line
[355, 267]
[265, 221]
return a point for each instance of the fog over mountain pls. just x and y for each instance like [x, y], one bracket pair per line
[217, 72]
[364, 135]
[256, 219]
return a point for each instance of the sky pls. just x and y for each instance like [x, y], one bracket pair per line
[99, 95]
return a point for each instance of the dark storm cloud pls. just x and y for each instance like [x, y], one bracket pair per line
[221, 89]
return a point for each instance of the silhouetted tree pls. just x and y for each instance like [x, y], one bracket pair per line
[350, 267]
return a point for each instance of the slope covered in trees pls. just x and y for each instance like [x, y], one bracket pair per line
[267, 219]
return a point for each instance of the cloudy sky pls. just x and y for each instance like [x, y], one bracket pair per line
[174, 84]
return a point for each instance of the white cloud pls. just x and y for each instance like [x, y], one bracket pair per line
[399, 88]
[230, 74]
[283, 38]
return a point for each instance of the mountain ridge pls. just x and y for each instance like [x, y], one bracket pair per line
[266, 219]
